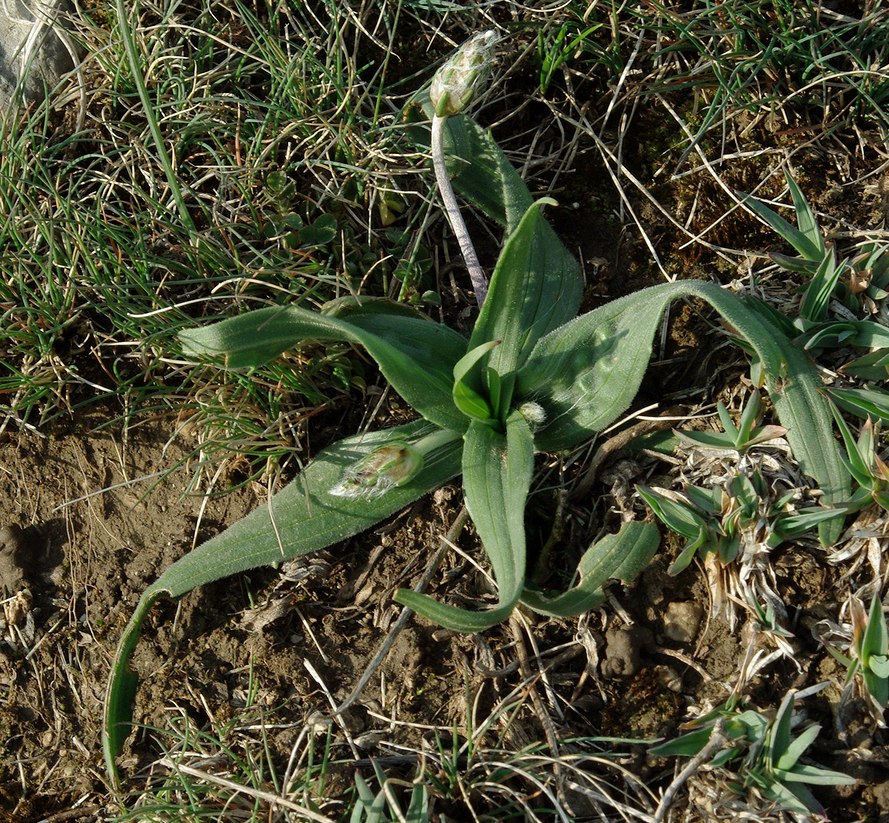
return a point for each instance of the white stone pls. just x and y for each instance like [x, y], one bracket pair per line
[35, 51]
[682, 621]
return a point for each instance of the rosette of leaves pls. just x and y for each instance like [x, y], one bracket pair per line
[531, 377]
[762, 752]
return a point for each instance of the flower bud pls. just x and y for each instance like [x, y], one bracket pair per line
[534, 414]
[374, 474]
[455, 83]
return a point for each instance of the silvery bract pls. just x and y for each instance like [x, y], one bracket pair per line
[373, 475]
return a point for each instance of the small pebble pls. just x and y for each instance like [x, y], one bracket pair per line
[682, 621]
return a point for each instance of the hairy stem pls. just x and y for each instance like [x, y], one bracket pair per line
[452, 210]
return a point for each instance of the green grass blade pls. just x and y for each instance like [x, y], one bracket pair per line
[123, 12]
[871, 402]
[809, 250]
[303, 517]
[687, 745]
[805, 217]
[497, 471]
[816, 298]
[415, 355]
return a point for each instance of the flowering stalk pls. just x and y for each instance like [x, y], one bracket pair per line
[452, 89]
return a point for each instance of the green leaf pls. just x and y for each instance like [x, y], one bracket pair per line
[796, 798]
[418, 810]
[817, 776]
[680, 517]
[467, 383]
[779, 733]
[415, 355]
[795, 749]
[876, 637]
[749, 416]
[787, 527]
[798, 239]
[871, 366]
[805, 217]
[497, 471]
[500, 390]
[877, 686]
[879, 665]
[302, 517]
[857, 462]
[687, 745]
[620, 556]
[816, 298]
[586, 373]
[707, 439]
[865, 403]
[535, 288]
[477, 166]
[702, 540]
[798, 265]
[840, 333]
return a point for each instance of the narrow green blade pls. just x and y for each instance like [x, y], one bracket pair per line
[497, 471]
[813, 308]
[805, 217]
[798, 239]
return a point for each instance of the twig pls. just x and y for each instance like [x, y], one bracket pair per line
[717, 741]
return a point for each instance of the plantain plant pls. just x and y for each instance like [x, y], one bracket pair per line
[531, 377]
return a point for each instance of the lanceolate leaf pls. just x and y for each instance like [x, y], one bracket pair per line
[813, 308]
[497, 472]
[415, 355]
[870, 402]
[798, 239]
[587, 373]
[619, 556]
[302, 517]
[536, 287]
[805, 217]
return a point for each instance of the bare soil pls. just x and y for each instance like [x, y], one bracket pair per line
[280, 645]
[266, 656]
